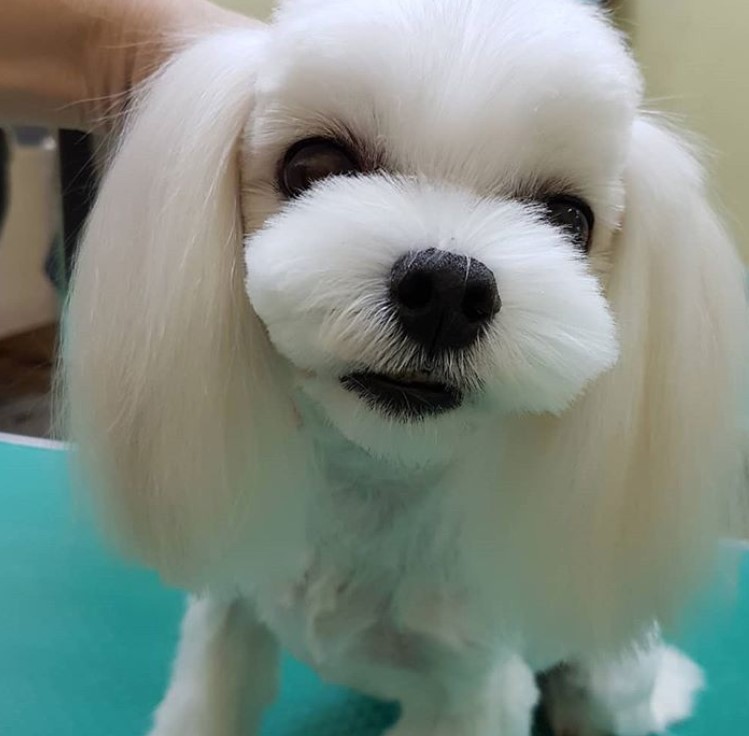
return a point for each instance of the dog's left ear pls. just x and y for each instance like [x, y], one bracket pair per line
[173, 390]
[678, 290]
[644, 471]
[659, 465]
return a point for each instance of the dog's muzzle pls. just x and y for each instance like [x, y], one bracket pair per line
[443, 303]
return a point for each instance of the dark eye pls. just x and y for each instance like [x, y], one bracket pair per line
[312, 160]
[574, 216]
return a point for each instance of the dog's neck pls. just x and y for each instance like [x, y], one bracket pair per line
[347, 466]
[370, 509]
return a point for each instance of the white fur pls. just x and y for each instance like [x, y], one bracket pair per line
[224, 675]
[576, 495]
[642, 692]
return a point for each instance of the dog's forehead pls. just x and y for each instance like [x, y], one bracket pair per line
[460, 87]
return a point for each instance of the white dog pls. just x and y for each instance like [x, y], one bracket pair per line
[402, 337]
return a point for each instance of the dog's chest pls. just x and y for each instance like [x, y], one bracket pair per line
[381, 588]
[366, 633]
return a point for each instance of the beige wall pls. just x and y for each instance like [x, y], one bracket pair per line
[257, 8]
[695, 54]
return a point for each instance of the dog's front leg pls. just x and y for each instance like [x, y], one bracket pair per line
[224, 675]
[497, 703]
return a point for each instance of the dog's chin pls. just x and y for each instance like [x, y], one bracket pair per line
[408, 419]
[401, 397]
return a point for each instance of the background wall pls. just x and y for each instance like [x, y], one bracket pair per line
[695, 55]
[257, 8]
[27, 298]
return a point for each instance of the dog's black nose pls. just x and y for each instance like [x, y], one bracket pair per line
[443, 300]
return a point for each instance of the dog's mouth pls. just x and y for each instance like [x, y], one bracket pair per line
[403, 397]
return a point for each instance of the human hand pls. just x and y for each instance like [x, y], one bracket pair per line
[131, 40]
[75, 63]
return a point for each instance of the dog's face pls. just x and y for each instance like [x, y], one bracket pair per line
[430, 189]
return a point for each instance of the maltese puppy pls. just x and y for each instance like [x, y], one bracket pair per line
[403, 339]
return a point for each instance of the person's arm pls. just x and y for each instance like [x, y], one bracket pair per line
[73, 63]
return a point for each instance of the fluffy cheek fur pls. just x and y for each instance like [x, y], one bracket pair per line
[318, 277]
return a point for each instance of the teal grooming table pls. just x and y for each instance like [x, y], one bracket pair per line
[86, 642]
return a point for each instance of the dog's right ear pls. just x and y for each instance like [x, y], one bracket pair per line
[173, 392]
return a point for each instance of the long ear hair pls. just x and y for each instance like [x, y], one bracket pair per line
[661, 474]
[670, 464]
[173, 392]
[623, 498]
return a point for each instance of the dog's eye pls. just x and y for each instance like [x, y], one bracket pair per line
[312, 160]
[573, 215]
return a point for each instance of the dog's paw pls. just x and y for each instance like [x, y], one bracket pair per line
[189, 718]
[439, 726]
[502, 706]
[445, 727]
[641, 696]
[678, 681]
[183, 723]
[407, 729]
